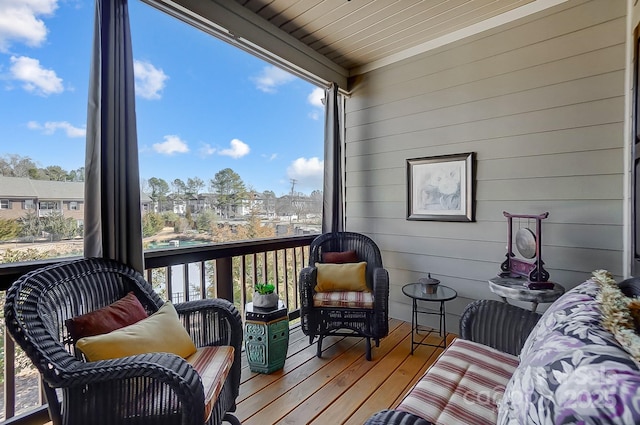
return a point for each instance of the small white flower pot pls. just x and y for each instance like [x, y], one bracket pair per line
[265, 300]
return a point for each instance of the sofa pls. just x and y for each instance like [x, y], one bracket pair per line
[578, 363]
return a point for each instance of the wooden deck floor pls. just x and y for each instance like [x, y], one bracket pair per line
[342, 387]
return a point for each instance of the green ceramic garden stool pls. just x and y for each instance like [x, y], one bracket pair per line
[266, 337]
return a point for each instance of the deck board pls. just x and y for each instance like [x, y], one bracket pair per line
[342, 387]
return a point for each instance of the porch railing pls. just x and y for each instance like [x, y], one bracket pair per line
[227, 270]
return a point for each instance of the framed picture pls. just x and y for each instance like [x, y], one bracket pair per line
[440, 188]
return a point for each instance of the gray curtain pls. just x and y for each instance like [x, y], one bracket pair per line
[332, 214]
[113, 224]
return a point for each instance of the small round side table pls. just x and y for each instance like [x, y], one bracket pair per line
[418, 292]
[516, 289]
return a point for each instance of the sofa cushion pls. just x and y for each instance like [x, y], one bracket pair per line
[346, 299]
[213, 365]
[463, 386]
[572, 370]
[124, 312]
[340, 257]
[162, 332]
[341, 277]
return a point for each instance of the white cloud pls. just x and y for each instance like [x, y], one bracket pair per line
[19, 21]
[308, 172]
[237, 149]
[270, 157]
[150, 80]
[35, 78]
[206, 150]
[314, 115]
[316, 97]
[172, 144]
[270, 78]
[50, 127]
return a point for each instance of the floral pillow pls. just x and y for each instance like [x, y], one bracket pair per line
[572, 369]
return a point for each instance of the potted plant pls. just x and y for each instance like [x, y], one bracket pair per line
[265, 296]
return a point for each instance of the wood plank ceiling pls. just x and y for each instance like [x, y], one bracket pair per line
[358, 32]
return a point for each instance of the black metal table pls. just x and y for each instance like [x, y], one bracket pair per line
[419, 292]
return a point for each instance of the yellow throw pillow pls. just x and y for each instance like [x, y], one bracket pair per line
[341, 277]
[161, 332]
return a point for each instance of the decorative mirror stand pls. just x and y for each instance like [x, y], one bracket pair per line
[529, 246]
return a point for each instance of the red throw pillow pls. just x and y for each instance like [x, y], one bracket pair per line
[124, 312]
[340, 257]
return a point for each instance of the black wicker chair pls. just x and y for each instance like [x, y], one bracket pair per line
[166, 389]
[371, 323]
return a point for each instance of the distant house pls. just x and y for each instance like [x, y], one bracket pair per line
[20, 195]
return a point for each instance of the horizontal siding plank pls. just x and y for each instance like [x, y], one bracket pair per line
[444, 268]
[602, 111]
[536, 189]
[493, 248]
[568, 188]
[429, 235]
[591, 212]
[380, 153]
[577, 67]
[575, 92]
[602, 162]
[556, 165]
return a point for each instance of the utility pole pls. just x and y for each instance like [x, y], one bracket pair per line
[293, 185]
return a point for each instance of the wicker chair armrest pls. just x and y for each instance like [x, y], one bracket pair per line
[307, 283]
[497, 324]
[630, 287]
[215, 322]
[220, 313]
[396, 417]
[165, 367]
[381, 287]
[112, 378]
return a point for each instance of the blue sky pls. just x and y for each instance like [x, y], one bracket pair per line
[202, 105]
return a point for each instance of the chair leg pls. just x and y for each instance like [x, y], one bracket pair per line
[311, 338]
[228, 417]
[368, 349]
[319, 353]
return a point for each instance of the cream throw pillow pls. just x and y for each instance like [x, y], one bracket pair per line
[161, 332]
[341, 277]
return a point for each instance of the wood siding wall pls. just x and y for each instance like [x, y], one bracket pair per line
[541, 102]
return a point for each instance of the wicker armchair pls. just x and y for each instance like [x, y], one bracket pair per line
[371, 323]
[155, 388]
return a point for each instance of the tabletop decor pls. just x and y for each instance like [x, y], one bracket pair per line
[265, 296]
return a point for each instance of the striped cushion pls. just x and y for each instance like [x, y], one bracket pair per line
[213, 365]
[464, 385]
[343, 299]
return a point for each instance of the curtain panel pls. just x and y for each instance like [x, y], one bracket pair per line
[113, 223]
[332, 206]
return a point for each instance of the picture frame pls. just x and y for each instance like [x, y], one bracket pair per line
[440, 188]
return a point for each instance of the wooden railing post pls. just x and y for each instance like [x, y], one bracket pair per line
[9, 376]
[224, 278]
